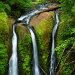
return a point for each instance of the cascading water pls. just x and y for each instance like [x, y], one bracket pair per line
[26, 20]
[13, 66]
[36, 70]
[52, 64]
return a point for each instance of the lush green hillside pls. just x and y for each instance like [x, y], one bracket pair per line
[4, 42]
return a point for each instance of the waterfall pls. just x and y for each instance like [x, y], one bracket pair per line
[52, 63]
[13, 62]
[26, 18]
[13, 67]
[35, 54]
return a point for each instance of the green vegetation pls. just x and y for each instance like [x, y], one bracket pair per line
[68, 6]
[25, 55]
[15, 7]
[4, 31]
[66, 38]
[43, 31]
[24, 50]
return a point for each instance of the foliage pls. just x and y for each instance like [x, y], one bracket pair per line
[66, 27]
[3, 58]
[43, 31]
[63, 56]
[4, 30]
[65, 40]
[20, 6]
[24, 51]
[62, 46]
[4, 7]
[73, 9]
[68, 6]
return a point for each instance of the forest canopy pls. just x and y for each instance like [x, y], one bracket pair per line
[68, 6]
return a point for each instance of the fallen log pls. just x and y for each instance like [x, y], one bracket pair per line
[50, 8]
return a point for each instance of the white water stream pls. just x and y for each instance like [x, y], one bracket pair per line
[35, 54]
[13, 66]
[52, 64]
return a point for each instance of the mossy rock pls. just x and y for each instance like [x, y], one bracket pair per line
[43, 34]
[43, 29]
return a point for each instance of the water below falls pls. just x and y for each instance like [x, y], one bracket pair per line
[52, 61]
[13, 67]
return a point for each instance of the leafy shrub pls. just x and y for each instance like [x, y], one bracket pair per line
[68, 6]
[4, 7]
[10, 6]
[19, 5]
[64, 68]
[3, 58]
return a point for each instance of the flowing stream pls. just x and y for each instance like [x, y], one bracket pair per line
[52, 64]
[13, 66]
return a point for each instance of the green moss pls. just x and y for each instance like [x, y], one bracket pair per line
[25, 53]
[43, 31]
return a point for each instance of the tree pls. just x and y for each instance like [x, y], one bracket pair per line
[68, 6]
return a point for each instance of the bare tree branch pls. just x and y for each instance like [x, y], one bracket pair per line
[66, 56]
[43, 70]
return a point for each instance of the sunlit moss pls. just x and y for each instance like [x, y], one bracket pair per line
[43, 32]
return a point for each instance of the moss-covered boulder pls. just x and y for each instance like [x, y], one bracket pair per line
[4, 41]
[43, 30]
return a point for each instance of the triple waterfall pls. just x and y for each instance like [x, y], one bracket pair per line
[13, 62]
